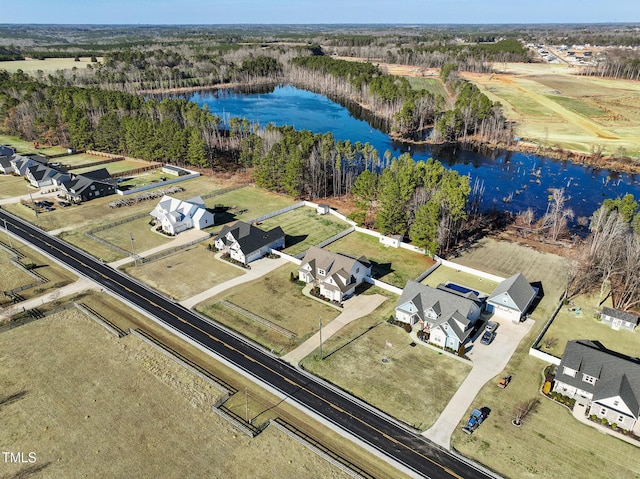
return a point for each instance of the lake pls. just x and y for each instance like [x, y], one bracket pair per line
[513, 181]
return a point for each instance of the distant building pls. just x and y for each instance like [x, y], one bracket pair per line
[619, 319]
[174, 170]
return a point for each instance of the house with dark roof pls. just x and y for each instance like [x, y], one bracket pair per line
[619, 319]
[88, 186]
[447, 316]
[511, 298]
[607, 381]
[42, 175]
[21, 163]
[336, 274]
[6, 155]
[247, 243]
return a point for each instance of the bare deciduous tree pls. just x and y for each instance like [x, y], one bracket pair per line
[522, 409]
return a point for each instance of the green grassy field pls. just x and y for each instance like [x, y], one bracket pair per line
[569, 326]
[432, 85]
[11, 186]
[141, 179]
[11, 276]
[186, 273]
[578, 106]
[78, 159]
[26, 147]
[116, 167]
[304, 227]
[275, 298]
[47, 65]
[246, 203]
[414, 386]
[444, 274]
[392, 265]
[144, 237]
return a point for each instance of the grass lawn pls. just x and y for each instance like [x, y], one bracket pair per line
[568, 326]
[78, 159]
[444, 274]
[304, 227]
[246, 203]
[392, 265]
[26, 147]
[186, 273]
[275, 298]
[143, 236]
[577, 106]
[551, 443]
[11, 276]
[506, 258]
[125, 165]
[11, 186]
[414, 386]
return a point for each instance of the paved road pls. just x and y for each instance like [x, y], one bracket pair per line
[363, 422]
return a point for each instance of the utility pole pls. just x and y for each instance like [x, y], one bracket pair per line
[7, 231]
[320, 318]
[246, 405]
[133, 251]
[35, 210]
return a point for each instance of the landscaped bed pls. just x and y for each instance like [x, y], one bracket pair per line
[414, 385]
[278, 300]
[392, 265]
[186, 273]
[304, 227]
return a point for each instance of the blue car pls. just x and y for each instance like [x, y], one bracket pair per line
[487, 337]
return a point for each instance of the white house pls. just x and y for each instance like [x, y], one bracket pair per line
[247, 243]
[511, 298]
[446, 315]
[176, 215]
[618, 319]
[336, 274]
[607, 381]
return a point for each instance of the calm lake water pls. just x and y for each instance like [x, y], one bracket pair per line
[513, 181]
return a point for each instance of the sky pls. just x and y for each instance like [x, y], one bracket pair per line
[317, 11]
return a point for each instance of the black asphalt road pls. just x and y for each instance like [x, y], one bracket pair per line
[387, 437]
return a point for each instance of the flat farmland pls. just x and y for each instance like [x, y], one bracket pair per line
[79, 397]
[11, 186]
[48, 65]
[304, 227]
[552, 106]
[275, 298]
[414, 386]
[186, 273]
[246, 203]
[392, 265]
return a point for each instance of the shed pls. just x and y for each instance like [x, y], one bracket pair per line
[323, 209]
[618, 319]
[391, 240]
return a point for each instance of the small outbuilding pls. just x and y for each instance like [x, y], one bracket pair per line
[391, 240]
[511, 298]
[618, 319]
[323, 209]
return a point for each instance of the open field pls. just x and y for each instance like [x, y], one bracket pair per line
[275, 298]
[414, 386]
[84, 397]
[433, 85]
[505, 258]
[444, 274]
[568, 326]
[48, 65]
[304, 227]
[26, 147]
[11, 186]
[392, 265]
[14, 277]
[114, 167]
[552, 106]
[533, 449]
[186, 273]
[140, 179]
[144, 237]
[247, 203]
[78, 159]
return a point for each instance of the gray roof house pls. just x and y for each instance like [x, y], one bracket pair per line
[446, 315]
[21, 163]
[246, 243]
[90, 185]
[336, 274]
[42, 175]
[619, 319]
[6, 155]
[511, 298]
[606, 380]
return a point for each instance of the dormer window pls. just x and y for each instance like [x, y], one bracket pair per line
[569, 372]
[589, 379]
[321, 272]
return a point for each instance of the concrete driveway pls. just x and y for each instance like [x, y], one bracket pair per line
[488, 361]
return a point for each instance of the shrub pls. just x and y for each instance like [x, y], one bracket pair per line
[593, 417]
[407, 327]
[546, 388]
[604, 420]
[614, 426]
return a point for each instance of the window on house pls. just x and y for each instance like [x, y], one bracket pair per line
[321, 272]
[357, 270]
[615, 403]
[569, 372]
[588, 379]
[620, 418]
[603, 411]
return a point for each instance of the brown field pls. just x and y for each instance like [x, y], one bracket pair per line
[553, 106]
[47, 65]
[84, 398]
[186, 273]
[276, 299]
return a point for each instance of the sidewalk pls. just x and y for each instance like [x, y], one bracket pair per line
[83, 284]
[488, 362]
[258, 268]
[354, 308]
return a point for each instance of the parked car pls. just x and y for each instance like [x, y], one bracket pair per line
[491, 326]
[487, 337]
